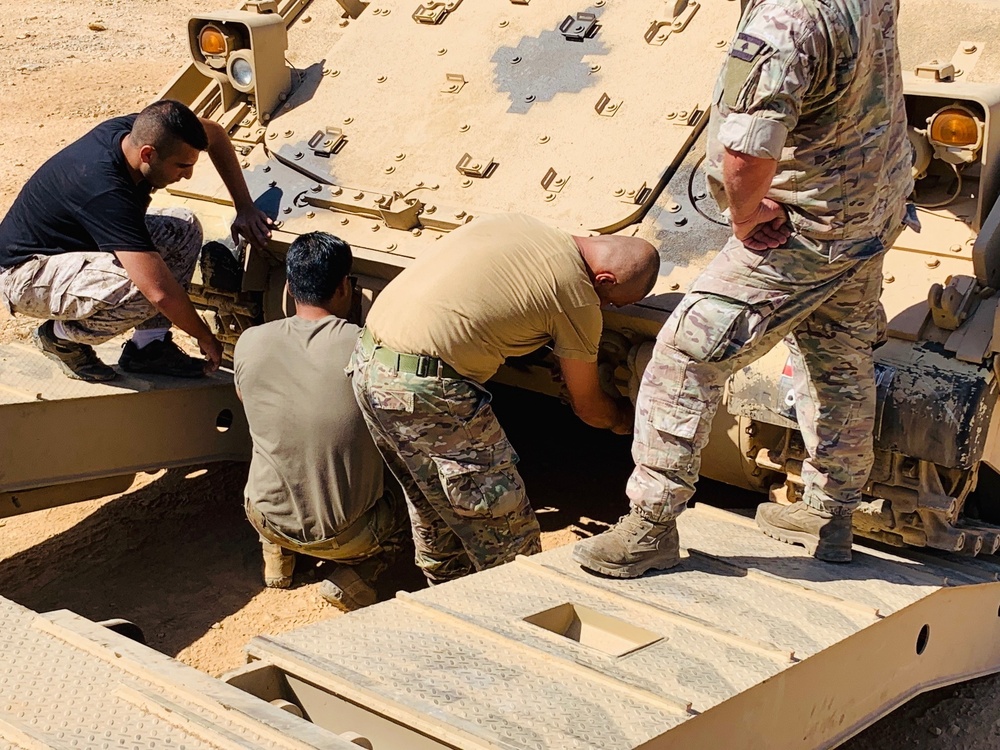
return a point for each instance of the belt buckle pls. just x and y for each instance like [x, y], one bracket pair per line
[423, 366]
[440, 372]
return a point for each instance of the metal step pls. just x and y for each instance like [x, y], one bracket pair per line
[66, 440]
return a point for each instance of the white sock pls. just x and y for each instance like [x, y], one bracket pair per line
[143, 336]
[59, 331]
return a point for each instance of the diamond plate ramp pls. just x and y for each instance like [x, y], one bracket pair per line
[66, 682]
[748, 644]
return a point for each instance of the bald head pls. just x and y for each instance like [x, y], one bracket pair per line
[623, 269]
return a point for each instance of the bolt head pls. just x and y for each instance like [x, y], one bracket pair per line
[375, 227]
[400, 157]
[286, 210]
[345, 221]
[289, 133]
[529, 98]
[674, 287]
[443, 51]
[464, 127]
[889, 278]
[348, 120]
[969, 49]
[310, 214]
[543, 139]
[466, 182]
[550, 196]
[389, 170]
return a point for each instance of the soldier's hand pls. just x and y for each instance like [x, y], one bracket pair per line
[765, 229]
[211, 347]
[254, 225]
[626, 417]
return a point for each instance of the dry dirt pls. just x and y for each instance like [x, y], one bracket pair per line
[174, 554]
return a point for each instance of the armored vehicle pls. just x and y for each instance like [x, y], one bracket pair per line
[390, 124]
[396, 124]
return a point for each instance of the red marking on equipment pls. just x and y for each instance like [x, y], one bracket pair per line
[787, 372]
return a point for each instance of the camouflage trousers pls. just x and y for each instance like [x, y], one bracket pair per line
[90, 291]
[739, 308]
[442, 442]
[380, 532]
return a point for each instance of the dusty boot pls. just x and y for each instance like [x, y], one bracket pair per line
[78, 361]
[345, 588]
[278, 566]
[824, 535]
[630, 548]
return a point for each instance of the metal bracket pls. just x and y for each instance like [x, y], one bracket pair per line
[658, 31]
[606, 106]
[453, 83]
[688, 117]
[951, 305]
[435, 12]
[406, 218]
[481, 168]
[328, 142]
[576, 29]
[637, 195]
[966, 56]
[552, 182]
[263, 6]
[935, 70]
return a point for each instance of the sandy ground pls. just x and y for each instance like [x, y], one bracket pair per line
[174, 554]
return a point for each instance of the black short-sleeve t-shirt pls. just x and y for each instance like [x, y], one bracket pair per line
[81, 199]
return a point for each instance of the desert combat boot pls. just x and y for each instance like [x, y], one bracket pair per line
[825, 536]
[630, 547]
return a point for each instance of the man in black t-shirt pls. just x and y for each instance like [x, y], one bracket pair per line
[79, 250]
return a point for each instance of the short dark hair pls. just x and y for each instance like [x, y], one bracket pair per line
[316, 265]
[165, 123]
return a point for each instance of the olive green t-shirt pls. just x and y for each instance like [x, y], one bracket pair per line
[498, 287]
[314, 469]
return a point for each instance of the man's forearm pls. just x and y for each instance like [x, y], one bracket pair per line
[747, 180]
[606, 414]
[177, 307]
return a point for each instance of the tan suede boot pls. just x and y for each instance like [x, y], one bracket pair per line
[630, 548]
[279, 564]
[825, 536]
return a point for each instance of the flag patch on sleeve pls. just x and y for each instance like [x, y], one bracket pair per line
[746, 47]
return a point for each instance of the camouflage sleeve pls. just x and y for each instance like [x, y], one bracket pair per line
[769, 71]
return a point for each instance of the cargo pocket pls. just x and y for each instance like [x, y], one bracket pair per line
[714, 327]
[485, 484]
[674, 418]
[98, 283]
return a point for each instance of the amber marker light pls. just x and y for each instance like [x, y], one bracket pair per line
[954, 127]
[212, 41]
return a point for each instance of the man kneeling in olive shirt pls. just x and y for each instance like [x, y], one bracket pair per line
[315, 484]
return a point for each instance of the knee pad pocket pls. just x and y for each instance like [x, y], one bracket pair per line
[713, 328]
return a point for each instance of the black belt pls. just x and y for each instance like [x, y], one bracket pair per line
[411, 364]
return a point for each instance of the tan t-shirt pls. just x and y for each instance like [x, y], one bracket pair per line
[500, 286]
[314, 469]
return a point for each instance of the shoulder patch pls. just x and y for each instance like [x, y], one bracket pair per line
[747, 47]
[744, 57]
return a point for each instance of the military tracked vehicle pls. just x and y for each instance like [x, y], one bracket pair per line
[392, 123]
[395, 125]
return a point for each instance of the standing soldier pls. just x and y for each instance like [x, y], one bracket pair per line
[808, 144]
[501, 286]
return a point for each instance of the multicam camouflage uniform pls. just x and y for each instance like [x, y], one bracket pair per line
[90, 291]
[444, 445]
[816, 86]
